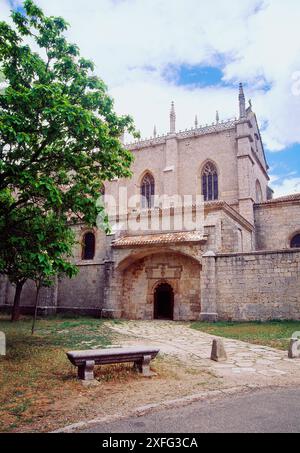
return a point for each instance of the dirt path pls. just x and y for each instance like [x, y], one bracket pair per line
[247, 363]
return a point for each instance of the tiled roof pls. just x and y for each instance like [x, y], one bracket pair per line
[286, 198]
[163, 238]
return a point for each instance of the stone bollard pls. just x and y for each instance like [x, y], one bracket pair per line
[218, 353]
[294, 349]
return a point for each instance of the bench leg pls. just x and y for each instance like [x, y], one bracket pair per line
[143, 366]
[86, 371]
[137, 366]
[146, 365]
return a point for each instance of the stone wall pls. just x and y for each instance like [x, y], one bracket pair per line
[84, 292]
[276, 223]
[258, 286]
[47, 298]
[239, 287]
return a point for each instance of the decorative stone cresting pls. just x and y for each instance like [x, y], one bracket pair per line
[194, 132]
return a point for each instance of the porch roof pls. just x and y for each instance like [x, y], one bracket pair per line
[161, 238]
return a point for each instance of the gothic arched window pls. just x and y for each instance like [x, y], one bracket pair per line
[88, 246]
[295, 242]
[147, 191]
[210, 184]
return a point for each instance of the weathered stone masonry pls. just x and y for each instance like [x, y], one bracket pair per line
[258, 286]
[242, 263]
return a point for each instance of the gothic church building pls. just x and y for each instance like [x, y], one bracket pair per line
[242, 264]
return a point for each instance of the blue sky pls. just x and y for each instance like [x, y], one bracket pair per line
[284, 164]
[195, 53]
[200, 76]
[14, 4]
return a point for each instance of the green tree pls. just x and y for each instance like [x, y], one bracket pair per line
[59, 135]
[36, 249]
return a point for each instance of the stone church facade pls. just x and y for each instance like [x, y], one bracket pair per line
[241, 262]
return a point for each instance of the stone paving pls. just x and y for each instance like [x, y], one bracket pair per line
[246, 364]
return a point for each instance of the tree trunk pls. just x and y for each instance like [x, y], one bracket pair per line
[15, 314]
[36, 307]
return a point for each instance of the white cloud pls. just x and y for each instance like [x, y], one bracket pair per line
[285, 186]
[257, 41]
[4, 10]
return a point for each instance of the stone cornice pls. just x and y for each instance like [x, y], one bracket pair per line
[257, 253]
[286, 200]
[216, 205]
[82, 263]
[249, 136]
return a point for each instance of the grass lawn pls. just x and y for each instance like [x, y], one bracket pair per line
[35, 372]
[39, 387]
[275, 334]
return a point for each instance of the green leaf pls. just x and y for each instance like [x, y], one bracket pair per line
[59, 141]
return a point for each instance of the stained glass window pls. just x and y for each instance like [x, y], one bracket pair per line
[210, 183]
[147, 191]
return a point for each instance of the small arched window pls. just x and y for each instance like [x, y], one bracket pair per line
[147, 191]
[210, 183]
[295, 242]
[88, 246]
[259, 193]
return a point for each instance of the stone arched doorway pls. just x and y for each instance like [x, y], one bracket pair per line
[139, 279]
[164, 302]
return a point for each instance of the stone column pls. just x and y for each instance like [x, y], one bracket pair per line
[112, 297]
[208, 288]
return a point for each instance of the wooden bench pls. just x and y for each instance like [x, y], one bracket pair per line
[86, 360]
